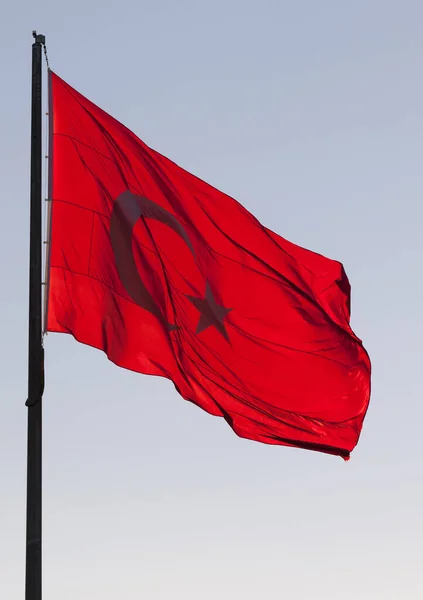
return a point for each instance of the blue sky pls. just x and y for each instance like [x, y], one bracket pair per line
[311, 115]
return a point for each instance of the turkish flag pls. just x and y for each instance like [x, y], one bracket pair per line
[169, 276]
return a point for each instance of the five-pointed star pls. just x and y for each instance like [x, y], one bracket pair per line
[212, 314]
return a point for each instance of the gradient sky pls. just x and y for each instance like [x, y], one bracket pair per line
[310, 113]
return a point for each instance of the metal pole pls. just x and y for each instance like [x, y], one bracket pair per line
[35, 345]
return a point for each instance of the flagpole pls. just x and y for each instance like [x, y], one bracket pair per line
[35, 345]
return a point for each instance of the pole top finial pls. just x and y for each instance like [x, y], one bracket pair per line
[39, 39]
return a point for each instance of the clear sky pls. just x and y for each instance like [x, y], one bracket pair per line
[310, 113]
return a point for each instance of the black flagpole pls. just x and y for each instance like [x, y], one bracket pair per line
[35, 344]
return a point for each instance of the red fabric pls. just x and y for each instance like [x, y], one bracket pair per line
[168, 276]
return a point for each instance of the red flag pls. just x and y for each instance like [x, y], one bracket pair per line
[168, 276]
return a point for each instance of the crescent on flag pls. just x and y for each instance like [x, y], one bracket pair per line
[127, 209]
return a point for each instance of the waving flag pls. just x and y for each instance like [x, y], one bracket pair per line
[169, 276]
